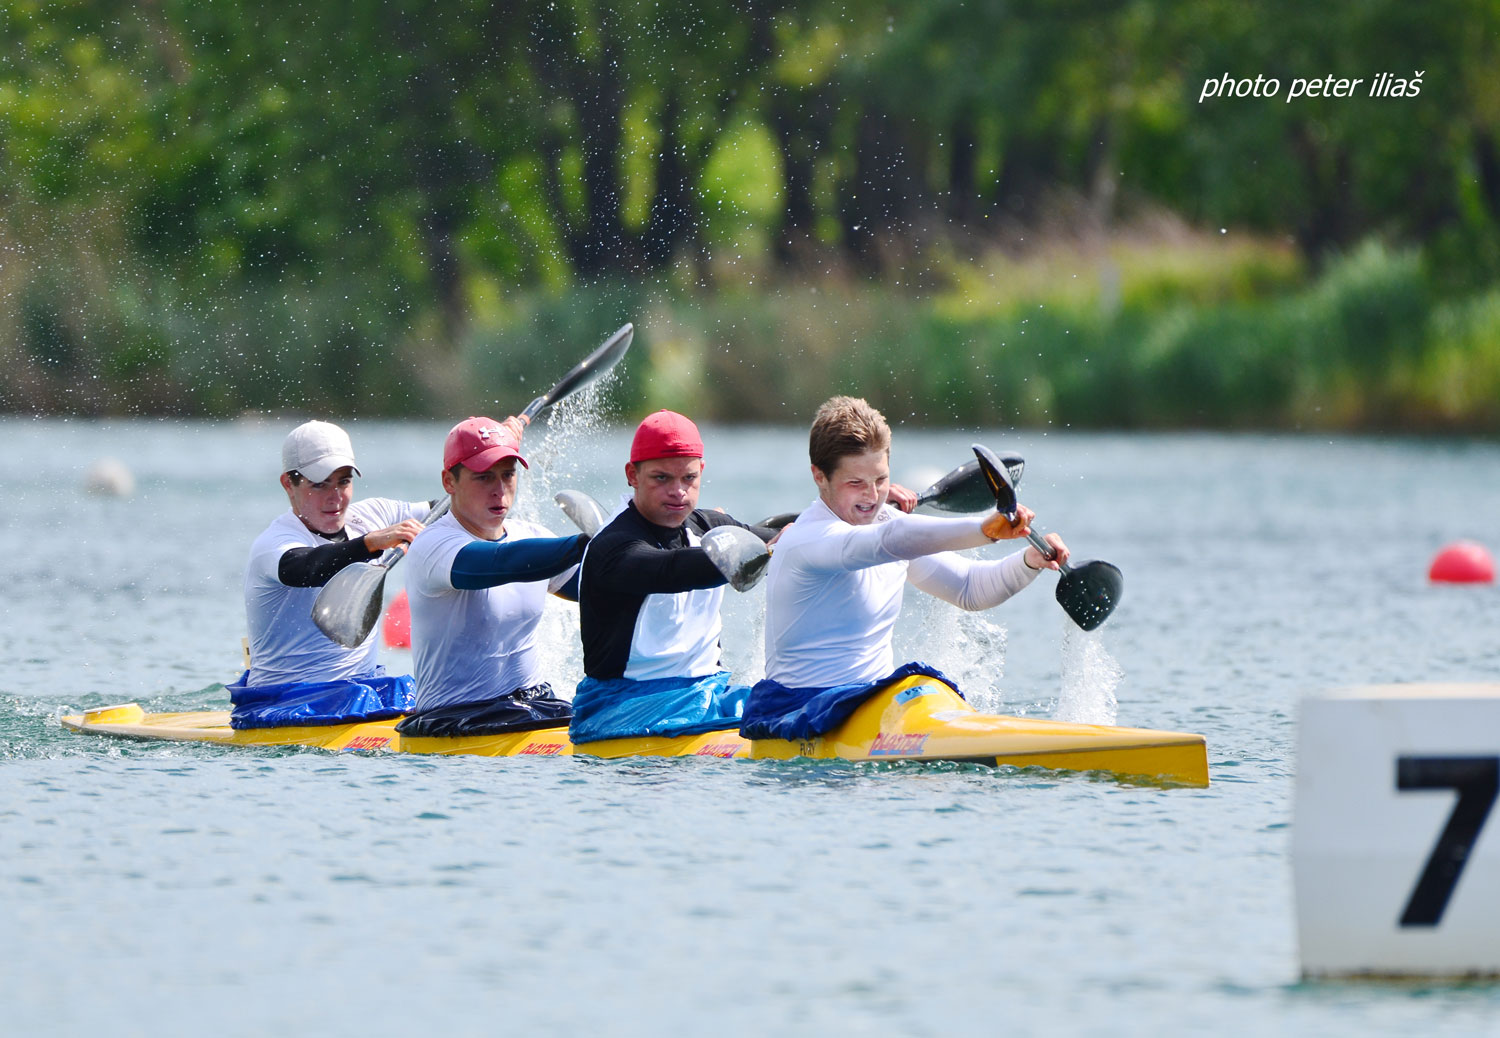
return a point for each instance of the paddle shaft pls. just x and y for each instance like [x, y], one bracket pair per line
[1048, 552]
[393, 554]
[1087, 591]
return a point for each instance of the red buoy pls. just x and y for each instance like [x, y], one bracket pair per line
[1462, 562]
[396, 628]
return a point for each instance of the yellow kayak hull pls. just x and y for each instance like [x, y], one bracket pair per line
[916, 719]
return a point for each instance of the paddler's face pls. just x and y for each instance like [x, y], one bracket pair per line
[857, 487]
[321, 506]
[666, 489]
[482, 500]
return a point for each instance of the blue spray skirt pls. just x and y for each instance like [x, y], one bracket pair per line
[377, 697]
[775, 711]
[620, 708]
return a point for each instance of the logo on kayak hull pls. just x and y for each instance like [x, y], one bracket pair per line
[897, 745]
[368, 742]
[717, 749]
[540, 749]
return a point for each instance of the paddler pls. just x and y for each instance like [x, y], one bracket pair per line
[477, 581]
[298, 676]
[836, 576]
[649, 601]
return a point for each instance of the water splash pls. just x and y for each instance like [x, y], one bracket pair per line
[966, 646]
[554, 450]
[744, 635]
[1090, 677]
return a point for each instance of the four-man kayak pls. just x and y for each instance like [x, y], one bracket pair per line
[917, 719]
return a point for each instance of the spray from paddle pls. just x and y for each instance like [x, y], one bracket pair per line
[554, 452]
[1089, 679]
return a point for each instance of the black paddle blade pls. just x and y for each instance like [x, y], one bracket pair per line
[1015, 465]
[962, 490]
[1090, 591]
[966, 489]
[780, 521]
[997, 478]
[595, 365]
[348, 607]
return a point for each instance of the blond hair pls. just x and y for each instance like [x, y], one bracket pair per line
[846, 426]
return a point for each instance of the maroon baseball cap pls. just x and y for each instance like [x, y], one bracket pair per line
[477, 443]
[665, 434]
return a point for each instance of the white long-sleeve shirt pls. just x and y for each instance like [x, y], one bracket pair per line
[833, 590]
[285, 644]
[470, 645]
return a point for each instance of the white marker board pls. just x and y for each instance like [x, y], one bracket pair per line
[1395, 840]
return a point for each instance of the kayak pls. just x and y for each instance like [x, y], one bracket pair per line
[916, 719]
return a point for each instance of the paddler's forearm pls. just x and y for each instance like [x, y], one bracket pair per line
[485, 564]
[904, 537]
[708, 519]
[639, 569]
[314, 567]
[971, 584]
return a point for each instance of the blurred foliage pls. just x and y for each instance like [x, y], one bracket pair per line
[972, 210]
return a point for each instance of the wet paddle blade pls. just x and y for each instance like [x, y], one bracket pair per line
[594, 366]
[738, 554]
[348, 607]
[1090, 591]
[997, 478]
[583, 511]
[966, 490]
[963, 491]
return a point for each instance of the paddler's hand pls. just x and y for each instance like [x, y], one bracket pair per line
[1001, 527]
[403, 532]
[902, 498]
[1035, 560]
[515, 428]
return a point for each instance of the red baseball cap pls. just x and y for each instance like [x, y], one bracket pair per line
[477, 443]
[665, 434]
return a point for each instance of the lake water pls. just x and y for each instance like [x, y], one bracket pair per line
[151, 889]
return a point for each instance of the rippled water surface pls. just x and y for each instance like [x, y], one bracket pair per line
[185, 889]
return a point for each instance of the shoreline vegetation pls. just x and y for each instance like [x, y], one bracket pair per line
[1046, 214]
[1152, 328]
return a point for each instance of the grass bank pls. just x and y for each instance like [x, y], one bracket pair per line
[1181, 331]
[1137, 337]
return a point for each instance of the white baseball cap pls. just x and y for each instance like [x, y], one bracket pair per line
[317, 450]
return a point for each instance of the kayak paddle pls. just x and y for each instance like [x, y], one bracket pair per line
[738, 554]
[963, 490]
[966, 489]
[584, 373]
[348, 607]
[1088, 591]
[742, 558]
[586, 513]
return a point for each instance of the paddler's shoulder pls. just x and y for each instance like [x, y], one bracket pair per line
[522, 529]
[814, 521]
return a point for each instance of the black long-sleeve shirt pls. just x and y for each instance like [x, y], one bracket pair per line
[628, 560]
